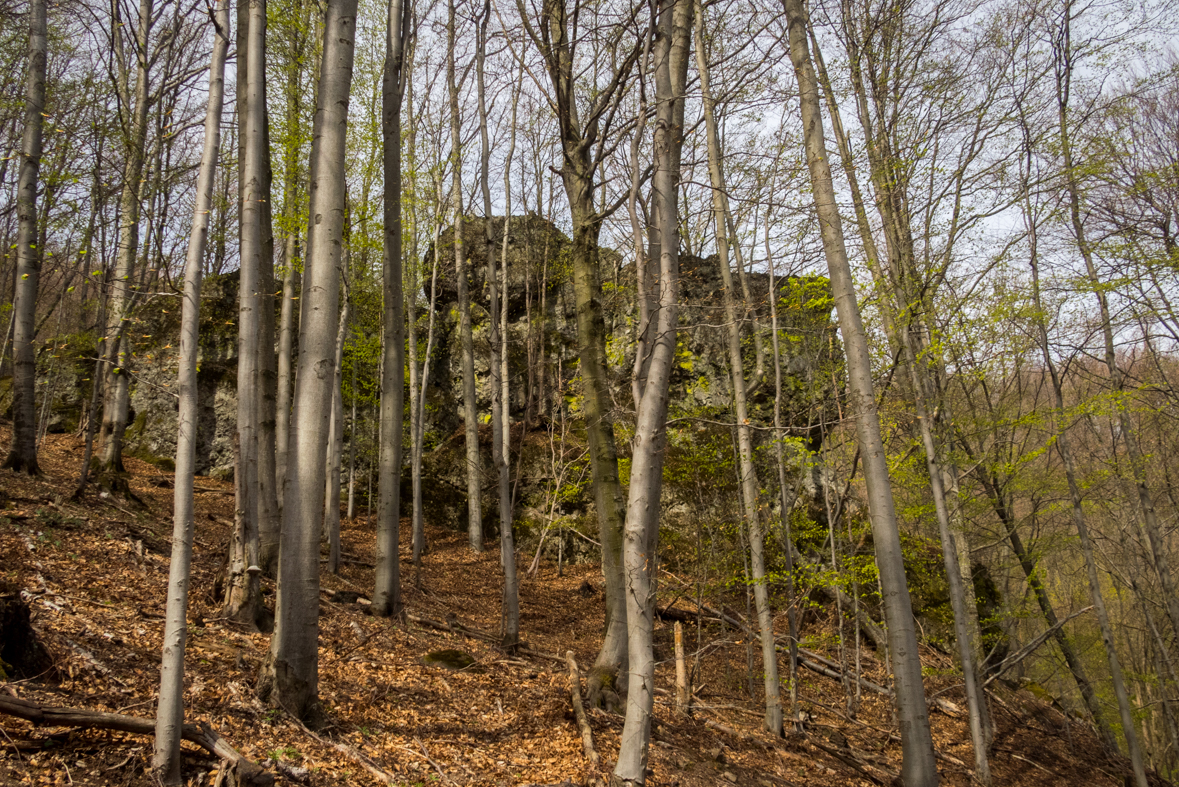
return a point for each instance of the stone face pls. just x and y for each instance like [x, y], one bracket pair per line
[542, 338]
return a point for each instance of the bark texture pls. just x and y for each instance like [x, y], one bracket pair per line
[22, 455]
[170, 708]
[290, 676]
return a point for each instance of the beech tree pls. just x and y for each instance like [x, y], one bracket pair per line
[170, 709]
[22, 455]
[290, 677]
[919, 765]
[387, 594]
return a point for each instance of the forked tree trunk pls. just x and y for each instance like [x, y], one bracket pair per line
[23, 453]
[170, 708]
[919, 766]
[749, 484]
[387, 590]
[290, 677]
[671, 51]
[577, 174]
[470, 416]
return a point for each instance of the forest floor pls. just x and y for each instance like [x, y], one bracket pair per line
[95, 572]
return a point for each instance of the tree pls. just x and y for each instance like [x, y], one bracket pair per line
[22, 455]
[749, 484]
[290, 677]
[170, 709]
[470, 417]
[243, 592]
[919, 765]
[585, 135]
[134, 130]
[387, 593]
[671, 51]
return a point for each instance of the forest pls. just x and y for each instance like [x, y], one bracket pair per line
[714, 393]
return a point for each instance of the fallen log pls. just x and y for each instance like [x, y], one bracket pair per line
[587, 735]
[202, 734]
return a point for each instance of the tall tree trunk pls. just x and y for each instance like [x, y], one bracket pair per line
[117, 398]
[287, 328]
[499, 421]
[290, 677]
[1064, 448]
[1147, 516]
[470, 416]
[269, 521]
[671, 52]
[419, 435]
[787, 499]
[919, 767]
[749, 484]
[387, 592]
[577, 174]
[23, 453]
[335, 445]
[170, 708]
[243, 592]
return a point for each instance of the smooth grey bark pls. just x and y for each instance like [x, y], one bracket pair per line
[243, 590]
[919, 766]
[749, 484]
[510, 617]
[979, 720]
[470, 416]
[671, 51]
[287, 327]
[419, 417]
[387, 588]
[117, 397]
[170, 707]
[335, 446]
[22, 455]
[290, 677]
[288, 311]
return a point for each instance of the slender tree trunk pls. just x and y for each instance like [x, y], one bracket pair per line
[919, 767]
[671, 50]
[335, 446]
[243, 592]
[499, 421]
[1147, 516]
[787, 499]
[577, 174]
[387, 590]
[419, 527]
[287, 328]
[749, 484]
[170, 708]
[117, 397]
[23, 453]
[1064, 448]
[470, 416]
[290, 676]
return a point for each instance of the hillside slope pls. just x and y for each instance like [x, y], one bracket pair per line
[94, 574]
